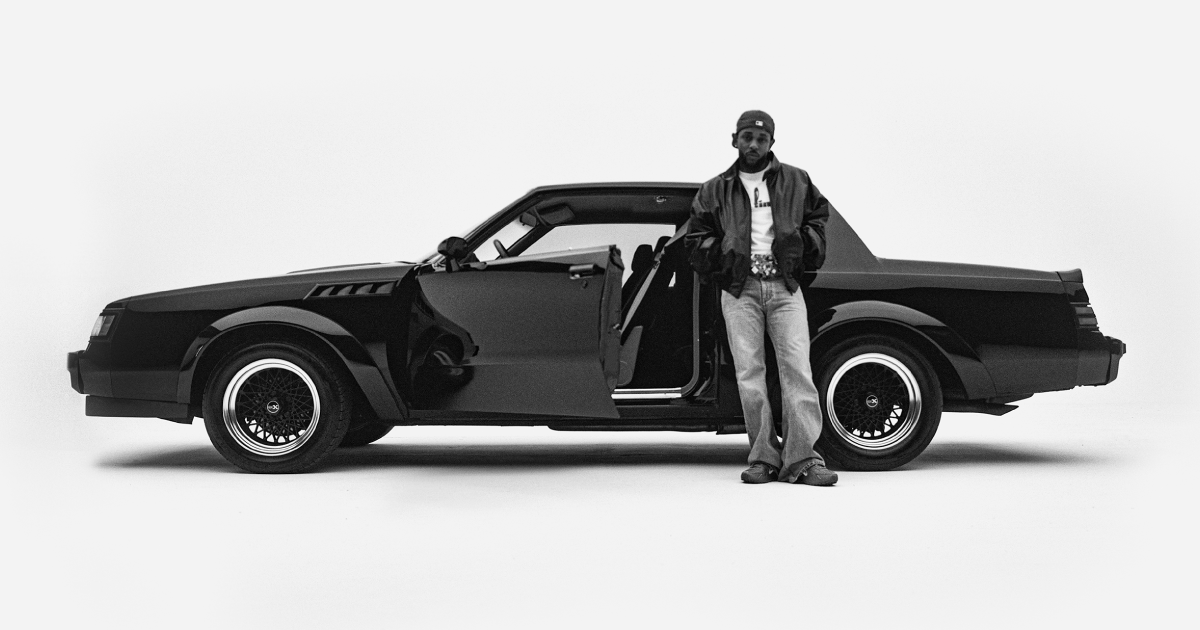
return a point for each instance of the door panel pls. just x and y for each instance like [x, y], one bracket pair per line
[535, 334]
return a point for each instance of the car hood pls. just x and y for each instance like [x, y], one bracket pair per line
[262, 291]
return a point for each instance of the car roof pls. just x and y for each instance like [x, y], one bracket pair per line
[619, 202]
[671, 202]
[661, 202]
[619, 185]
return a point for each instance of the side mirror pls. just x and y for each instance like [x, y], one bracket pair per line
[455, 251]
[454, 248]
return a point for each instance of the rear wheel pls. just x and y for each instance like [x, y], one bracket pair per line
[276, 408]
[882, 403]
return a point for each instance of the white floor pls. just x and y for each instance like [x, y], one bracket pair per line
[1056, 515]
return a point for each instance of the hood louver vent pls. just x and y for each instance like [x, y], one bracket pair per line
[351, 289]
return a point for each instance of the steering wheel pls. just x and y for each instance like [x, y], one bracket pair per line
[500, 249]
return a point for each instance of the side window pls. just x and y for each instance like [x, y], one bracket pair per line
[626, 236]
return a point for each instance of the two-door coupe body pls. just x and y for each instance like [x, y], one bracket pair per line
[575, 308]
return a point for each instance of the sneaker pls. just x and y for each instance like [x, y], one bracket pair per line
[817, 475]
[760, 472]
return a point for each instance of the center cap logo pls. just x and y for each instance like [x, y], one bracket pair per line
[273, 406]
[872, 401]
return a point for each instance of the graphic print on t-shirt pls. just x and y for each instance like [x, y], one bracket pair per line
[762, 228]
[760, 203]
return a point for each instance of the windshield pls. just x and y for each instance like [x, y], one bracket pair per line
[509, 234]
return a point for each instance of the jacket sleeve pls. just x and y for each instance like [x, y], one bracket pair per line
[703, 236]
[812, 230]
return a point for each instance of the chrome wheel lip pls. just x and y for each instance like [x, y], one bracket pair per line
[238, 429]
[903, 428]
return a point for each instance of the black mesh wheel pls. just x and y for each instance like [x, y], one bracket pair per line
[881, 402]
[276, 408]
[271, 407]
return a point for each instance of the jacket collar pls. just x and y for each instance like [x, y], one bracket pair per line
[768, 174]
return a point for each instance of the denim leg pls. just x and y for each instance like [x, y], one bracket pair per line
[745, 320]
[787, 325]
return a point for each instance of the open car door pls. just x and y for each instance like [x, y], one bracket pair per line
[535, 334]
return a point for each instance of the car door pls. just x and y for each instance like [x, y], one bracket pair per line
[537, 334]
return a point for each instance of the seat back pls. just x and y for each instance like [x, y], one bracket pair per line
[643, 260]
[643, 306]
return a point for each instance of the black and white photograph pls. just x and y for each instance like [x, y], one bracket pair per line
[633, 314]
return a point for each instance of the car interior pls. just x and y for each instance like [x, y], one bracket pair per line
[659, 294]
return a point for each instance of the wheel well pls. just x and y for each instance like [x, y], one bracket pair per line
[243, 336]
[952, 386]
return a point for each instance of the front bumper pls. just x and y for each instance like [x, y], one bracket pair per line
[73, 368]
[89, 379]
[129, 408]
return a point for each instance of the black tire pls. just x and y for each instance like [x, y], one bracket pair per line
[884, 407]
[365, 433]
[276, 408]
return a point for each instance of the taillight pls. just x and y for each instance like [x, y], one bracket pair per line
[1085, 317]
[104, 324]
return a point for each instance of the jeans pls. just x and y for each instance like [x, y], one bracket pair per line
[766, 306]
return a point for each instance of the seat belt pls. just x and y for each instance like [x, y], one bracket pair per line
[637, 299]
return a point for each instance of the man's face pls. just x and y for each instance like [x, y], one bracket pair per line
[753, 145]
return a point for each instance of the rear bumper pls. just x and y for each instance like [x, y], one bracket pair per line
[1117, 350]
[1098, 364]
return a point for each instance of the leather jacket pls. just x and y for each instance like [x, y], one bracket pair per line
[718, 233]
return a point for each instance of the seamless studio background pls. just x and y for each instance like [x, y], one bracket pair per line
[145, 147]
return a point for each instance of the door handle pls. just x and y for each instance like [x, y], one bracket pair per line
[583, 271]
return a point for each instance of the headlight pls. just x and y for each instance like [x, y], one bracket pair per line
[103, 323]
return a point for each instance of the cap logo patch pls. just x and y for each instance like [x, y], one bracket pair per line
[758, 122]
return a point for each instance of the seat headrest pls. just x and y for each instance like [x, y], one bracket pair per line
[643, 258]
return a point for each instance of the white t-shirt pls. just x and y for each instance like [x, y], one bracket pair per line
[762, 224]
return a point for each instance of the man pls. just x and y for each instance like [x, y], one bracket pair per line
[754, 229]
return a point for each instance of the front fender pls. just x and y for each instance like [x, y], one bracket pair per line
[962, 357]
[379, 391]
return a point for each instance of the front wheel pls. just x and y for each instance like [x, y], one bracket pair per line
[881, 403]
[276, 408]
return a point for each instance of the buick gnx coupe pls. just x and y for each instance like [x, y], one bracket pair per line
[575, 308]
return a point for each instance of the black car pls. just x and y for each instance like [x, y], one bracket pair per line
[535, 318]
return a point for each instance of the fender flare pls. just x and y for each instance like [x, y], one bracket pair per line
[976, 379]
[379, 391]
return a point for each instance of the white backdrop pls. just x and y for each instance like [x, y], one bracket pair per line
[149, 146]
